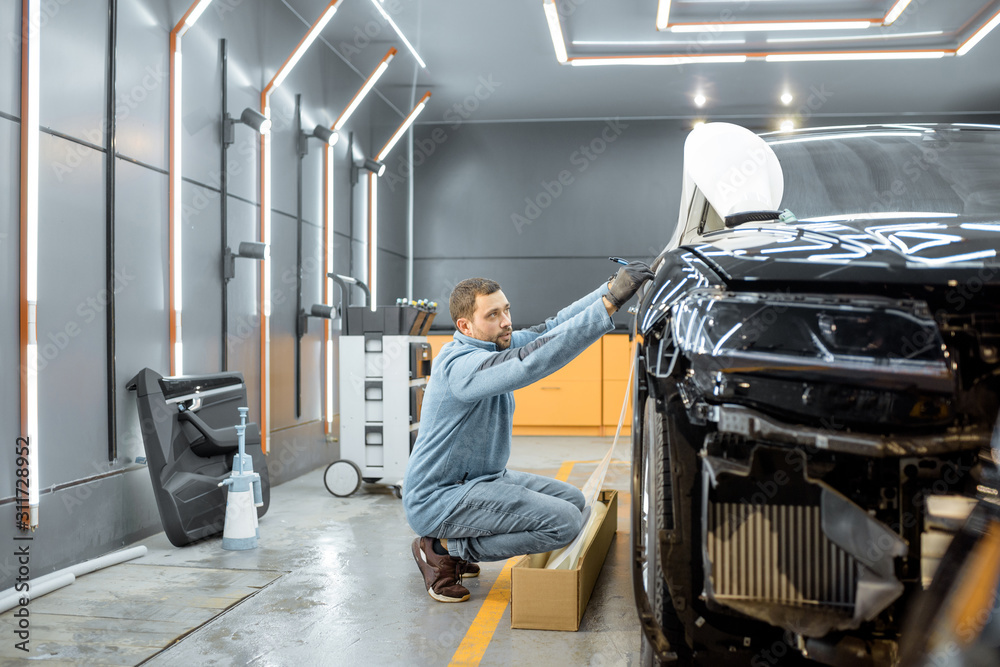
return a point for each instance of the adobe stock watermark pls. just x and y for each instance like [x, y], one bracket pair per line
[455, 115]
[581, 159]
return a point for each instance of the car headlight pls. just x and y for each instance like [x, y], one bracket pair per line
[779, 335]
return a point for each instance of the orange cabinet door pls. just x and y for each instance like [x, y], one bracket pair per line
[617, 359]
[568, 403]
[437, 342]
[614, 394]
[617, 355]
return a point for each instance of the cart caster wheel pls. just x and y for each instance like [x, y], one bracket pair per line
[397, 490]
[342, 478]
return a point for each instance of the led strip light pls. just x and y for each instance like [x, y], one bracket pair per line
[265, 213]
[174, 263]
[30, 72]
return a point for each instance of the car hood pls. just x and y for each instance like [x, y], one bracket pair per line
[897, 250]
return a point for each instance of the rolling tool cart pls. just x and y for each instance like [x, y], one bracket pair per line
[385, 362]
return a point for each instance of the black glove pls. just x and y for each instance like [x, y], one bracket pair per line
[627, 281]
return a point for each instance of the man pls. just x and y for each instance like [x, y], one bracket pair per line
[458, 495]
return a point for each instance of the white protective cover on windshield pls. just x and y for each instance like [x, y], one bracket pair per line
[735, 169]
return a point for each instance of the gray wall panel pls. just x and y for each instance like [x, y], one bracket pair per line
[142, 94]
[295, 451]
[74, 39]
[341, 187]
[244, 312]
[536, 288]
[341, 252]
[391, 277]
[618, 196]
[283, 151]
[500, 185]
[71, 520]
[10, 336]
[359, 260]
[201, 256]
[312, 342]
[142, 333]
[72, 301]
[312, 179]
[201, 109]
[10, 63]
[202, 112]
[392, 185]
[283, 316]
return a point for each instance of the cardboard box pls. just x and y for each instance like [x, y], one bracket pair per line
[543, 599]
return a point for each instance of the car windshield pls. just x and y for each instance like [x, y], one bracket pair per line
[912, 170]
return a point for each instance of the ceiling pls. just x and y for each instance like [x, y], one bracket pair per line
[495, 60]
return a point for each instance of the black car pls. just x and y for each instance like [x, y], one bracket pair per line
[818, 365]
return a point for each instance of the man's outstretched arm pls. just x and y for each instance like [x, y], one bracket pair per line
[616, 291]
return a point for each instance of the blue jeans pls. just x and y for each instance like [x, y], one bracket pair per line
[515, 514]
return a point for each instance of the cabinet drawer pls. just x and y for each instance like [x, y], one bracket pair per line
[569, 403]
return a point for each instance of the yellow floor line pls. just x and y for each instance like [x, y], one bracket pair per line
[565, 469]
[479, 635]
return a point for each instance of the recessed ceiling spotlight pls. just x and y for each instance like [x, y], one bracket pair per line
[787, 125]
[699, 100]
[786, 98]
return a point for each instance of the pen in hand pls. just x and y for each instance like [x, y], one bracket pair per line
[618, 260]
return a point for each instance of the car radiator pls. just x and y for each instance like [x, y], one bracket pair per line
[777, 554]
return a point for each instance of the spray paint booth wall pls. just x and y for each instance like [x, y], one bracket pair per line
[88, 504]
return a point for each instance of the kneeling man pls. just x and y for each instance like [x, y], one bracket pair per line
[458, 495]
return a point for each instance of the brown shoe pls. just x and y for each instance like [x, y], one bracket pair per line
[441, 577]
[467, 569]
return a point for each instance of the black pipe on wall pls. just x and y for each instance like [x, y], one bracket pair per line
[350, 210]
[224, 196]
[299, 318]
[109, 202]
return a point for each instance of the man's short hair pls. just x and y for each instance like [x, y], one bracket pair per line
[463, 298]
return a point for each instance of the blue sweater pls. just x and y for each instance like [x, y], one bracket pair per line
[468, 409]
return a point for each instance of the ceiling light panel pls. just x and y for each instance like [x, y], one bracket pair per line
[709, 31]
[769, 26]
[845, 38]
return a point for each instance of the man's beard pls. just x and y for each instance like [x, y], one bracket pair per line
[500, 342]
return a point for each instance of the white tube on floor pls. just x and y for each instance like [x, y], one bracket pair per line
[78, 570]
[101, 562]
[37, 589]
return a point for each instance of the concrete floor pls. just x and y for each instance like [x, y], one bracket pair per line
[333, 582]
